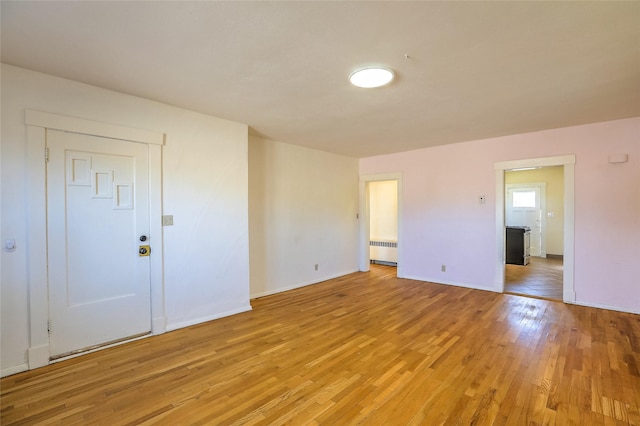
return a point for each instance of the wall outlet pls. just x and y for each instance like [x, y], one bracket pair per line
[443, 268]
[316, 267]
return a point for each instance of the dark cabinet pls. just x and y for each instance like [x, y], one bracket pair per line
[517, 245]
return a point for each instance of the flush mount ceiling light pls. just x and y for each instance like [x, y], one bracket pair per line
[371, 77]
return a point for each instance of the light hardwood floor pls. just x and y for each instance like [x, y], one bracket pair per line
[542, 277]
[367, 348]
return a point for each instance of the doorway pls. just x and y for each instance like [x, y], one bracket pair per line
[97, 231]
[527, 194]
[383, 237]
[563, 209]
[383, 222]
[38, 124]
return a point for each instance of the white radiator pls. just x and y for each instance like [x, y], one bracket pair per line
[383, 251]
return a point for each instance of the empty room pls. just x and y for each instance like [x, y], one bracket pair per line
[331, 213]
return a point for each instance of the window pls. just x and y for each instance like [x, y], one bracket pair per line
[524, 199]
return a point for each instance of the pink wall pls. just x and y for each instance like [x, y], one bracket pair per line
[443, 222]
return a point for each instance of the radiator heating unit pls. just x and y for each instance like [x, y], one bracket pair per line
[383, 252]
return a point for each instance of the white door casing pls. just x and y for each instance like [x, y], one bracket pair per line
[97, 210]
[568, 162]
[37, 123]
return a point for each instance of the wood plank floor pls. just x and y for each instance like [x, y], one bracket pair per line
[367, 348]
[542, 277]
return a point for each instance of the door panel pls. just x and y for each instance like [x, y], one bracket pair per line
[97, 208]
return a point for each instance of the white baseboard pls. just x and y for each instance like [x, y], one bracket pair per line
[453, 283]
[14, 370]
[607, 307]
[302, 284]
[38, 356]
[183, 324]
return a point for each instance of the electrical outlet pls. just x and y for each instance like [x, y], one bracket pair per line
[443, 268]
[316, 266]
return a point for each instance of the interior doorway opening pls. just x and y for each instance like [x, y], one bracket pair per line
[567, 162]
[383, 222]
[534, 208]
[380, 215]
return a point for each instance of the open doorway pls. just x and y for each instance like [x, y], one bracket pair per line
[380, 221]
[383, 222]
[566, 212]
[534, 222]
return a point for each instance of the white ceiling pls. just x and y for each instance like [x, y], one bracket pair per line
[474, 69]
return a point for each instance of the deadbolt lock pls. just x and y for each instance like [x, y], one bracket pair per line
[144, 250]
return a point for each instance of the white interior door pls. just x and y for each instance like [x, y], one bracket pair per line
[523, 208]
[97, 212]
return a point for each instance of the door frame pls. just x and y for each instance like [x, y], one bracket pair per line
[364, 257]
[37, 123]
[542, 187]
[568, 162]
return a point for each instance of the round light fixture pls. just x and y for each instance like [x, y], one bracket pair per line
[371, 77]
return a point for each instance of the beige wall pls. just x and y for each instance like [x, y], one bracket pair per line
[204, 186]
[303, 207]
[554, 178]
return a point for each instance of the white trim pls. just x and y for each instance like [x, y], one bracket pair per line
[38, 356]
[158, 324]
[195, 321]
[37, 248]
[14, 370]
[156, 239]
[607, 307]
[364, 231]
[38, 352]
[568, 161]
[568, 289]
[300, 285]
[88, 127]
[451, 283]
[536, 162]
[501, 233]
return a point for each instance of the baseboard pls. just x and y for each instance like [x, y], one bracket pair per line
[452, 283]
[606, 307]
[183, 324]
[14, 370]
[555, 256]
[299, 285]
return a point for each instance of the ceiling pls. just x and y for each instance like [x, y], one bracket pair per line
[464, 70]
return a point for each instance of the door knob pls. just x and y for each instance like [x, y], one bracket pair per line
[144, 250]
[143, 238]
